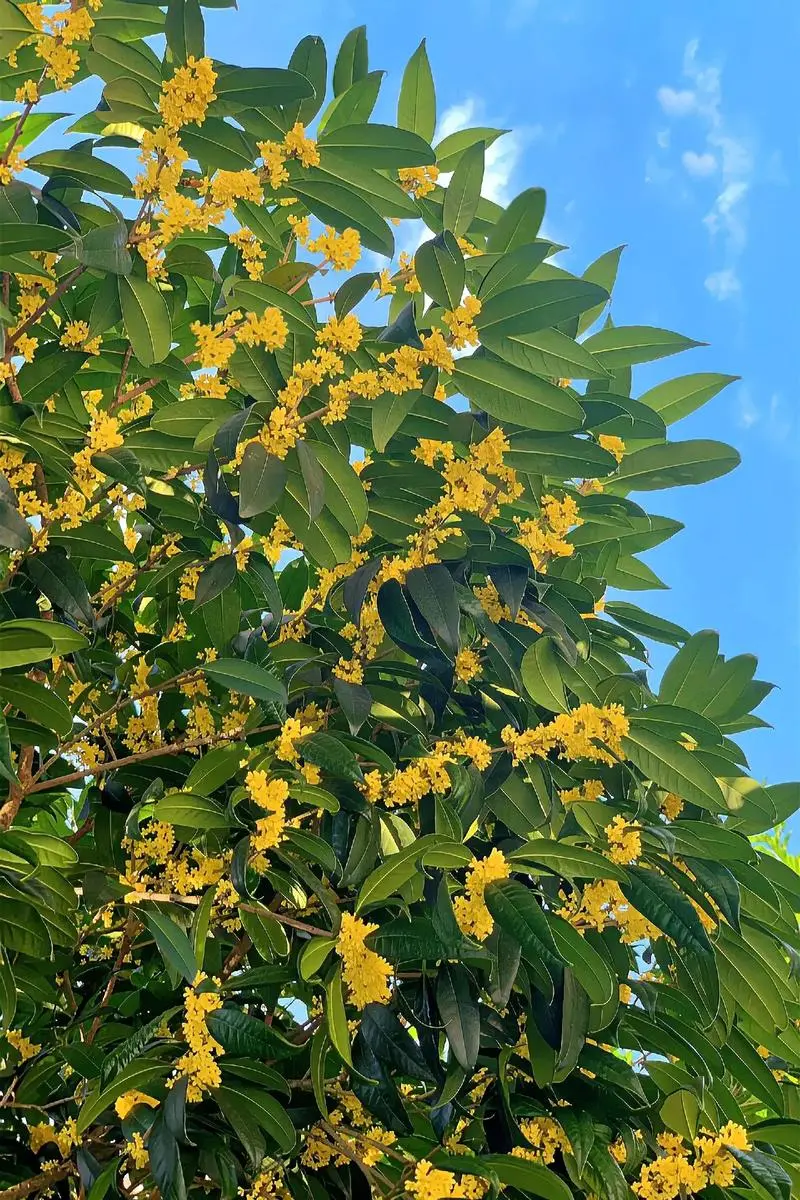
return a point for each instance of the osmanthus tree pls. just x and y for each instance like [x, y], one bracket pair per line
[346, 848]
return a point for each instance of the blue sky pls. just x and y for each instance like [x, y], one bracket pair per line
[670, 128]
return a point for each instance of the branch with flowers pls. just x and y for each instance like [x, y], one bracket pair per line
[347, 845]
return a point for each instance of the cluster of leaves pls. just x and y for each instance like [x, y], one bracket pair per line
[385, 870]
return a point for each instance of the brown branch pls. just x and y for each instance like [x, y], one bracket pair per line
[21, 119]
[290, 921]
[16, 791]
[235, 957]
[37, 1183]
[64, 286]
[122, 954]
[129, 759]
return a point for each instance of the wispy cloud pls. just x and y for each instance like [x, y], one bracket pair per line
[699, 164]
[769, 417]
[724, 284]
[726, 157]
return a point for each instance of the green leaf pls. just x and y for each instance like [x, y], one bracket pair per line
[37, 702]
[314, 955]
[112, 59]
[690, 668]
[337, 205]
[604, 272]
[265, 932]
[566, 860]
[352, 61]
[393, 872]
[380, 146]
[749, 1069]
[591, 970]
[626, 345]
[544, 352]
[175, 947]
[185, 29]
[14, 238]
[247, 678]
[464, 190]
[529, 1177]
[336, 1017]
[135, 1077]
[457, 1001]
[270, 1115]
[668, 909]
[388, 414]
[8, 993]
[15, 533]
[239, 1115]
[517, 911]
[146, 318]
[675, 464]
[516, 397]
[239, 88]
[541, 676]
[433, 591]
[765, 1171]
[309, 58]
[55, 576]
[673, 767]
[262, 479]
[392, 1044]
[439, 267]
[563, 456]
[451, 149]
[82, 167]
[534, 306]
[246, 1037]
[52, 367]
[188, 810]
[677, 398]
[520, 222]
[416, 104]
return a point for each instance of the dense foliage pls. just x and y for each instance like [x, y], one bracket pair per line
[346, 847]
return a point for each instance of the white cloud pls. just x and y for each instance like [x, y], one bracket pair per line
[663, 138]
[699, 164]
[675, 103]
[749, 414]
[725, 154]
[724, 284]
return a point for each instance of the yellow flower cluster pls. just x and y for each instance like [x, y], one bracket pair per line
[624, 841]
[589, 790]
[23, 1045]
[546, 1138]
[472, 915]
[418, 181]
[199, 1064]
[127, 1102]
[467, 665]
[676, 1174]
[430, 1183]
[364, 972]
[66, 1138]
[573, 734]
[460, 322]
[324, 1146]
[251, 250]
[341, 250]
[186, 96]
[672, 806]
[614, 445]
[271, 795]
[543, 536]
[75, 335]
[602, 902]
[137, 1151]
[294, 145]
[58, 34]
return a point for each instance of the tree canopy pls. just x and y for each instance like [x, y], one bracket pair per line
[347, 846]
